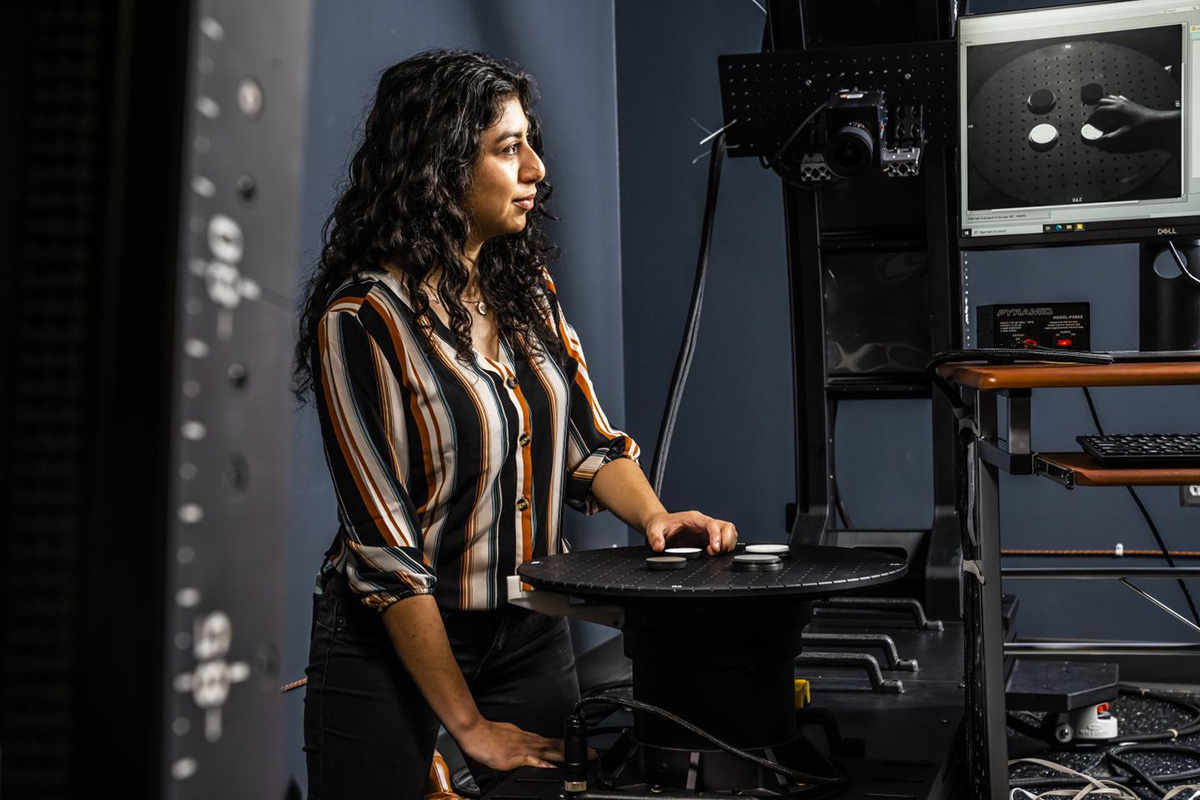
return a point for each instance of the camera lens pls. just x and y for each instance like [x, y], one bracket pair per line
[850, 150]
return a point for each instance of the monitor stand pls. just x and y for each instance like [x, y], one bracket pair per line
[1169, 306]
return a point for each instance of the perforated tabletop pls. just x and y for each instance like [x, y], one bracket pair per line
[621, 572]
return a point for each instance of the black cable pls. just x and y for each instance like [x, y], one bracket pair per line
[1158, 741]
[597, 714]
[687, 349]
[1186, 729]
[770, 163]
[1115, 758]
[790, 174]
[787, 772]
[1162, 545]
[838, 505]
[1065, 781]
[1024, 726]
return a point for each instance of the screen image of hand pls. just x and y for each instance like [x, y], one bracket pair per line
[1130, 127]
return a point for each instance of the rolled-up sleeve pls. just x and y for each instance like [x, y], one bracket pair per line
[592, 441]
[362, 427]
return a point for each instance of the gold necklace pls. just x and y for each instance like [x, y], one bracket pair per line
[480, 306]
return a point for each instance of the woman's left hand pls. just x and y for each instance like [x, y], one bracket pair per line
[690, 528]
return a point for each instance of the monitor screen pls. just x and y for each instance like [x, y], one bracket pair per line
[1076, 124]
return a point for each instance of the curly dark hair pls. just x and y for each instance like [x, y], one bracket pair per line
[403, 205]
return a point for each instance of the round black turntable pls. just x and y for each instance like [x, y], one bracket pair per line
[715, 646]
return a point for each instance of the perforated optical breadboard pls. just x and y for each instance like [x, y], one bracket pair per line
[769, 94]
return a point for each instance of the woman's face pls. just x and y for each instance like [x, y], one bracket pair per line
[507, 172]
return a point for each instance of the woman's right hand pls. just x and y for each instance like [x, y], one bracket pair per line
[503, 746]
[419, 635]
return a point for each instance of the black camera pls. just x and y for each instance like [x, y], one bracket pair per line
[852, 135]
[854, 127]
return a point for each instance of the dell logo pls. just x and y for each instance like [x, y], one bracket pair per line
[1167, 232]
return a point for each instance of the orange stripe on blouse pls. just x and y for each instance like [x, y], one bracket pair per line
[414, 402]
[581, 380]
[348, 445]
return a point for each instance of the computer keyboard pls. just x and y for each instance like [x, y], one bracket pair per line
[1143, 449]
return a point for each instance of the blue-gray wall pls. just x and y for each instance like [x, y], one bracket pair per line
[731, 454]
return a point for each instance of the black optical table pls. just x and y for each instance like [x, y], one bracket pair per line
[716, 647]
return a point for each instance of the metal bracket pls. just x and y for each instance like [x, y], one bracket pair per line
[973, 568]
[864, 660]
[1010, 462]
[1054, 472]
[903, 605]
[891, 655]
[902, 162]
[560, 605]
[966, 421]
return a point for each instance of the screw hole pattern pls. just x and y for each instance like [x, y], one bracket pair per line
[770, 93]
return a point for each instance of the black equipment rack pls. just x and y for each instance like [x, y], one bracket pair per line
[765, 96]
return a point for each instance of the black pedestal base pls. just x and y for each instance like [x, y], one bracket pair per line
[723, 665]
[633, 766]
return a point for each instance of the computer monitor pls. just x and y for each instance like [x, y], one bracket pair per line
[1077, 124]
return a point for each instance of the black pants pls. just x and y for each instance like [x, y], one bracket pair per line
[368, 732]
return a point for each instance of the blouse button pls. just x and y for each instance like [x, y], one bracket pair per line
[511, 381]
[522, 504]
[524, 439]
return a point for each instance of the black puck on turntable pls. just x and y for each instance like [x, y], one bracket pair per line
[1042, 101]
[754, 562]
[1091, 93]
[666, 562]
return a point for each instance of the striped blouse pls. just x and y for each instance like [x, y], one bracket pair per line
[449, 476]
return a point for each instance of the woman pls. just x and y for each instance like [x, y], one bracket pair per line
[457, 417]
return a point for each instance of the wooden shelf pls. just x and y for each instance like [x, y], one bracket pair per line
[1044, 376]
[1080, 469]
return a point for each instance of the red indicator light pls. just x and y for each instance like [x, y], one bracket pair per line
[1064, 342]
[1102, 708]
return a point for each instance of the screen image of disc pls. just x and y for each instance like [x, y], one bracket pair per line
[1123, 83]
